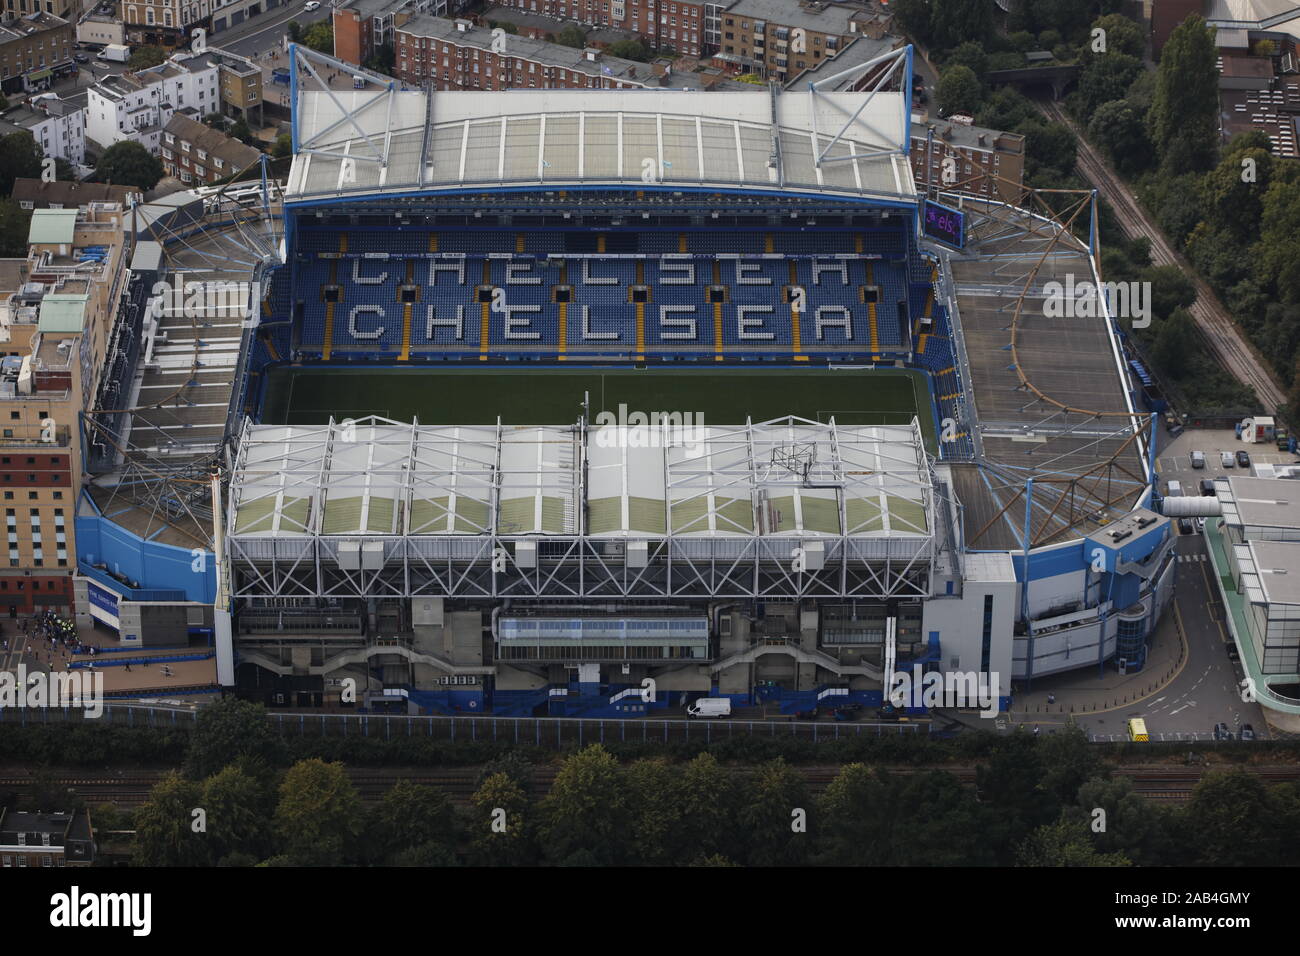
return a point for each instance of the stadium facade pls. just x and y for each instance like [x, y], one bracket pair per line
[461, 559]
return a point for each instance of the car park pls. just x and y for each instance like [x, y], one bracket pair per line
[1198, 459]
[1226, 459]
[1243, 459]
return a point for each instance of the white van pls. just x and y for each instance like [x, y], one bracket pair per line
[710, 707]
[1175, 488]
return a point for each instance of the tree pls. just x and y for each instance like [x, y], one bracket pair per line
[959, 91]
[1122, 36]
[768, 813]
[1171, 289]
[294, 29]
[501, 824]
[954, 21]
[238, 809]
[318, 817]
[629, 50]
[585, 816]
[1134, 825]
[382, 60]
[129, 164]
[753, 78]
[970, 55]
[1069, 761]
[573, 36]
[1175, 341]
[849, 815]
[20, 155]
[1120, 130]
[1065, 843]
[145, 57]
[283, 146]
[240, 131]
[15, 223]
[1183, 120]
[217, 121]
[411, 818]
[228, 731]
[1104, 79]
[1221, 825]
[320, 37]
[706, 796]
[164, 826]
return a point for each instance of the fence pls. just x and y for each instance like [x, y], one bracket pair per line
[552, 732]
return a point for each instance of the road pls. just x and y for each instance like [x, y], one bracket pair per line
[1222, 337]
[263, 34]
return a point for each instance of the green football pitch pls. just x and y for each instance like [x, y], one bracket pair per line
[309, 396]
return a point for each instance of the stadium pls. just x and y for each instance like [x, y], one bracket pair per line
[555, 396]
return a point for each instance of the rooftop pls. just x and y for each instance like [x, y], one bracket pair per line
[858, 51]
[1276, 572]
[65, 193]
[1260, 502]
[29, 24]
[52, 226]
[553, 137]
[379, 477]
[212, 141]
[822, 17]
[62, 314]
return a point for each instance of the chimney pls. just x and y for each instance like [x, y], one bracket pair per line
[462, 26]
[947, 132]
[981, 139]
[631, 72]
[592, 54]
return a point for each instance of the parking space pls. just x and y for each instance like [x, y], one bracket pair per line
[1174, 460]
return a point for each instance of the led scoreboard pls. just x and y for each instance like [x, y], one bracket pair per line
[946, 225]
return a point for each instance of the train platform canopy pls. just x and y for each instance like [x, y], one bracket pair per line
[363, 143]
[788, 477]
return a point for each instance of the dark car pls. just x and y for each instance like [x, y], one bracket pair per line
[1247, 732]
[81, 58]
[1185, 526]
[1221, 731]
[1232, 653]
[889, 712]
[809, 714]
[1207, 487]
[1243, 460]
[847, 712]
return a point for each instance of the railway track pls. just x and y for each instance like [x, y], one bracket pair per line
[1214, 324]
[1164, 784]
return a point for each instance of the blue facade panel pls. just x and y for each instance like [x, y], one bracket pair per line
[155, 566]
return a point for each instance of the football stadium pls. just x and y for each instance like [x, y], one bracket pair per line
[554, 396]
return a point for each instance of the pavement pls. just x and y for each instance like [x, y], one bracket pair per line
[1189, 682]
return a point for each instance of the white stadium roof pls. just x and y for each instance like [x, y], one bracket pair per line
[368, 142]
[376, 478]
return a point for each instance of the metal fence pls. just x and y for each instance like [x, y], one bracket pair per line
[552, 732]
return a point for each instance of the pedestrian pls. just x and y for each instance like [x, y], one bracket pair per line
[128, 667]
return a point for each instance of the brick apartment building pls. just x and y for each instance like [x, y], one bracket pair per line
[46, 839]
[689, 28]
[61, 306]
[779, 39]
[363, 26]
[457, 55]
[198, 154]
[33, 49]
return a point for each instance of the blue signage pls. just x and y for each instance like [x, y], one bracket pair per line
[946, 225]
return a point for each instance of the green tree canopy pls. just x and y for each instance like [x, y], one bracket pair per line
[129, 164]
[230, 730]
[959, 91]
[20, 156]
[318, 817]
[320, 37]
[164, 826]
[573, 36]
[411, 817]
[1183, 120]
[629, 50]
[146, 56]
[501, 823]
[584, 819]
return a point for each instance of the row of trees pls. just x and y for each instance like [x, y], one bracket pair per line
[1037, 802]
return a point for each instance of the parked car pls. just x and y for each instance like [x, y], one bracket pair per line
[1198, 459]
[848, 712]
[1200, 525]
[1185, 526]
[1243, 459]
[1207, 487]
[811, 713]
[81, 58]
[889, 712]
[311, 5]
[1226, 459]
[1221, 731]
[1247, 732]
[710, 707]
[1232, 653]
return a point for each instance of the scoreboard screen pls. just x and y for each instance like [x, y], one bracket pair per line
[946, 225]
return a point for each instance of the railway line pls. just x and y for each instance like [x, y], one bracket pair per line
[1214, 324]
[1164, 784]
